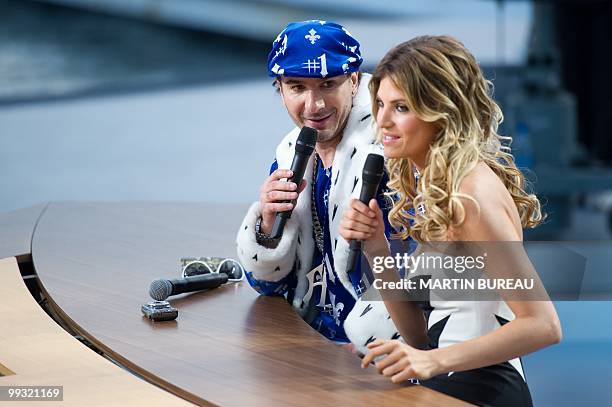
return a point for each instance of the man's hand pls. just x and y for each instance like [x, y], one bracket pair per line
[273, 194]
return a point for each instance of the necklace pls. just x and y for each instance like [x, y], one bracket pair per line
[316, 224]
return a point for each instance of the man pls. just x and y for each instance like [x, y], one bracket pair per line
[316, 69]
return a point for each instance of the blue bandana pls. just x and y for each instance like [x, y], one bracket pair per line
[314, 49]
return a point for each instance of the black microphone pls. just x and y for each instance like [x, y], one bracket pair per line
[161, 288]
[372, 174]
[303, 150]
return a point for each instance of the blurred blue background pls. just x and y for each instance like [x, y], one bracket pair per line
[169, 100]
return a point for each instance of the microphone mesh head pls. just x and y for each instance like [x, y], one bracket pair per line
[373, 168]
[160, 289]
[306, 140]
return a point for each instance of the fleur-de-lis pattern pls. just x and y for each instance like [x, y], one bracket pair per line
[318, 48]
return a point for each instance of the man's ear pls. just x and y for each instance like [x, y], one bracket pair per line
[354, 82]
[279, 87]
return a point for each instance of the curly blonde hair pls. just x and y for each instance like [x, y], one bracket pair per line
[443, 84]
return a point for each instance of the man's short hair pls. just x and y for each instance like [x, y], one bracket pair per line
[276, 82]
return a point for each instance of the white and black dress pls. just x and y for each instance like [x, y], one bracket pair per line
[451, 322]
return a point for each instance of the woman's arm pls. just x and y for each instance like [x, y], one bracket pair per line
[366, 223]
[535, 326]
[489, 218]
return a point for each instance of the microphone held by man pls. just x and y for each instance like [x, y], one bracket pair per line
[278, 198]
[303, 150]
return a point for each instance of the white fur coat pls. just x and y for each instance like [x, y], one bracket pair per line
[296, 246]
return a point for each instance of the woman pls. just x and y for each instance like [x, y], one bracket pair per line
[452, 181]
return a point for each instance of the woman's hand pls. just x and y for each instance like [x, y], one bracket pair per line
[402, 362]
[363, 222]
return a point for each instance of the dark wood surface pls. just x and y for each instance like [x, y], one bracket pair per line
[16, 228]
[229, 346]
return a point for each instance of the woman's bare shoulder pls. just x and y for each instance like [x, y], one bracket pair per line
[480, 182]
[489, 208]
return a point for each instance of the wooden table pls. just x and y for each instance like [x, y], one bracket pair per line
[229, 346]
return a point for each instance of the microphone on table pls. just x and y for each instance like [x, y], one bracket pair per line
[372, 174]
[303, 150]
[161, 289]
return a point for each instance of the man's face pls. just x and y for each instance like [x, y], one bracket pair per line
[323, 104]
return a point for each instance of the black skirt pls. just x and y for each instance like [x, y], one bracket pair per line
[498, 385]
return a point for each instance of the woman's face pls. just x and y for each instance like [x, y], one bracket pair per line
[404, 134]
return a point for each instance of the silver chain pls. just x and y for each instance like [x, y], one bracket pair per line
[318, 230]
